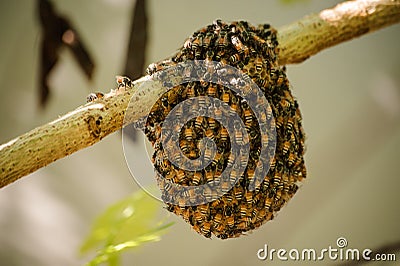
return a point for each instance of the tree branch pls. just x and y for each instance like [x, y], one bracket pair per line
[90, 123]
[314, 33]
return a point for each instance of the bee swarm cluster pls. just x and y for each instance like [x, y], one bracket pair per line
[253, 50]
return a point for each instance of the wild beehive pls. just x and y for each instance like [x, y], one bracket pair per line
[238, 209]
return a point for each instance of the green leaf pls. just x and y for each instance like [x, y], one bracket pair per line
[126, 224]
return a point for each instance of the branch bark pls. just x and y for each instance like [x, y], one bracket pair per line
[314, 33]
[90, 123]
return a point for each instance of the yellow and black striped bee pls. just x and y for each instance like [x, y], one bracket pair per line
[230, 221]
[94, 96]
[199, 122]
[124, 82]
[226, 96]
[189, 133]
[212, 90]
[222, 41]
[235, 59]
[206, 229]
[198, 217]
[208, 39]
[224, 134]
[239, 46]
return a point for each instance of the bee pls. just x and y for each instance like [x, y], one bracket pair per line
[234, 106]
[286, 146]
[218, 111]
[277, 180]
[187, 44]
[212, 124]
[193, 153]
[242, 225]
[265, 139]
[177, 157]
[279, 122]
[243, 210]
[220, 67]
[198, 41]
[224, 134]
[182, 202]
[191, 90]
[123, 81]
[250, 174]
[210, 194]
[280, 80]
[268, 202]
[165, 164]
[229, 198]
[94, 96]
[203, 209]
[222, 40]
[234, 176]
[285, 104]
[217, 204]
[234, 59]
[216, 159]
[151, 69]
[196, 228]
[189, 134]
[239, 46]
[208, 152]
[207, 40]
[178, 111]
[262, 82]
[198, 217]
[165, 104]
[289, 125]
[248, 117]
[199, 121]
[218, 219]
[209, 175]
[180, 176]
[196, 178]
[238, 135]
[210, 134]
[204, 84]
[225, 186]
[226, 97]
[278, 196]
[205, 229]
[186, 214]
[209, 57]
[258, 64]
[243, 160]
[212, 90]
[291, 159]
[220, 228]
[230, 221]
[260, 215]
[238, 193]
[249, 197]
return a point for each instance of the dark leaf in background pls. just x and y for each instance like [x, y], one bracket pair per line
[135, 58]
[58, 32]
[134, 67]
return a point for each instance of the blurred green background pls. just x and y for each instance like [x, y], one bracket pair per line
[350, 100]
